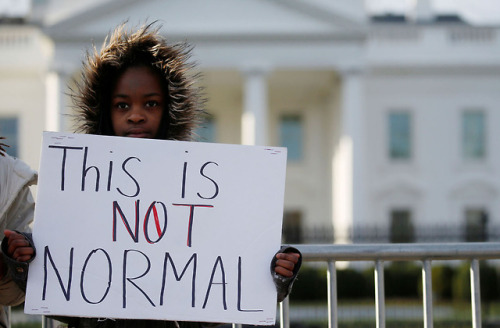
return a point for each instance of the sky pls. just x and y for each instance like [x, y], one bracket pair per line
[475, 11]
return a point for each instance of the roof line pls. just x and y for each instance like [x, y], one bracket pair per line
[312, 10]
[92, 12]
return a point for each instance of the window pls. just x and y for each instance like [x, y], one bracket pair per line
[399, 135]
[473, 135]
[206, 130]
[401, 230]
[292, 227]
[476, 220]
[10, 130]
[291, 136]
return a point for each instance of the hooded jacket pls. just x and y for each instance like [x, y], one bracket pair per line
[145, 47]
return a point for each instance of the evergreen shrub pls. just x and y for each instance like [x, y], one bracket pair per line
[442, 277]
[402, 279]
[488, 278]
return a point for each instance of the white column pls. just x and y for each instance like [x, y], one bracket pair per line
[56, 100]
[348, 163]
[254, 121]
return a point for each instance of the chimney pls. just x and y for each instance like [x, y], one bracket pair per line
[422, 11]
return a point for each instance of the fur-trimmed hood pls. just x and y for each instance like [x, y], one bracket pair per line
[124, 49]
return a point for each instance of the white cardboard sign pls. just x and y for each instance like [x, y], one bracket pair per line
[155, 229]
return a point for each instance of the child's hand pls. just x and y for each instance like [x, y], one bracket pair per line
[286, 263]
[18, 246]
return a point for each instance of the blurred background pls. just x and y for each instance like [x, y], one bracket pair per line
[390, 109]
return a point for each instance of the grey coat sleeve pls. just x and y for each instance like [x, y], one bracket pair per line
[17, 271]
[10, 293]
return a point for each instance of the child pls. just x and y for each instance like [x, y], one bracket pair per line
[16, 212]
[138, 86]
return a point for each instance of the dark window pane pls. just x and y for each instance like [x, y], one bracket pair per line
[292, 227]
[402, 230]
[291, 136]
[476, 220]
[474, 135]
[9, 128]
[399, 135]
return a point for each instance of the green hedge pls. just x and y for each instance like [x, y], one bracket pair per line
[442, 281]
[402, 280]
[488, 277]
[310, 284]
[352, 284]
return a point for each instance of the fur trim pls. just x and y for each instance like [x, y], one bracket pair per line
[3, 151]
[124, 49]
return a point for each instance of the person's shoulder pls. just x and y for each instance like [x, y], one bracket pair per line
[6, 159]
[13, 165]
[7, 164]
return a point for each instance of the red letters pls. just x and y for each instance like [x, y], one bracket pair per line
[134, 231]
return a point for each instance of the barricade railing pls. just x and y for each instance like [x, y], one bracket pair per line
[380, 253]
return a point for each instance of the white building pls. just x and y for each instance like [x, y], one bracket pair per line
[390, 121]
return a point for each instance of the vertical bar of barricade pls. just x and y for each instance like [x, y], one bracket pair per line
[48, 323]
[380, 293]
[237, 325]
[285, 313]
[8, 312]
[475, 293]
[332, 295]
[427, 283]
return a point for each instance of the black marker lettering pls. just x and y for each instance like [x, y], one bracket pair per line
[223, 283]
[184, 180]
[85, 170]
[130, 280]
[168, 258]
[161, 233]
[191, 220]
[202, 172]
[66, 291]
[135, 234]
[137, 187]
[110, 270]
[63, 161]
[239, 289]
[110, 174]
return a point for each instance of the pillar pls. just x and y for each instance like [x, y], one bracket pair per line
[254, 121]
[349, 186]
[56, 100]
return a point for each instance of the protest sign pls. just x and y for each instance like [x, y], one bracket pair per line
[155, 229]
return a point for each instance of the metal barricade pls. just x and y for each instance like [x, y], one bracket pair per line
[380, 253]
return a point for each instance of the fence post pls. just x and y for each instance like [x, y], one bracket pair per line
[47, 323]
[427, 283]
[380, 293]
[285, 313]
[475, 293]
[332, 295]
[8, 312]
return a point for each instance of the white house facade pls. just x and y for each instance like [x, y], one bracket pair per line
[390, 122]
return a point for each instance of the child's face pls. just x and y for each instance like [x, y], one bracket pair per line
[137, 103]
